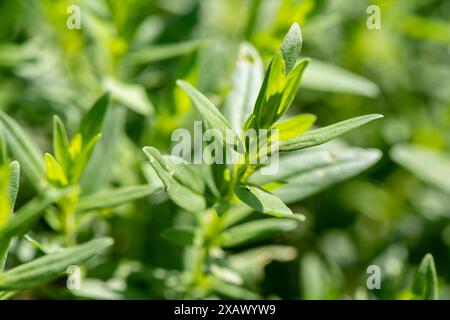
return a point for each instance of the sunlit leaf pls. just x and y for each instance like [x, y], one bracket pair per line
[325, 134]
[294, 126]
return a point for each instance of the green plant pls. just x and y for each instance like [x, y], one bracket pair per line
[60, 197]
[222, 196]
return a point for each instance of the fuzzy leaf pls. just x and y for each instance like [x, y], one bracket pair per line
[113, 198]
[291, 47]
[425, 283]
[178, 193]
[325, 134]
[327, 77]
[311, 171]
[247, 79]
[256, 230]
[51, 266]
[14, 182]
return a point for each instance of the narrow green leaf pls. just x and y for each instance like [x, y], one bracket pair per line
[53, 171]
[98, 170]
[83, 159]
[25, 217]
[92, 122]
[3, 150]
[256, 230]
[291, 47]
[156, 53]
[232, 291]
[310, 171]
[325, 134]
[429, 165]
[49, 267]
[425, 283]
[247, 78]
[23, 150]
[14, 182]
[61, 143]
[265, 202]
[327, 77]
[182, 236]
[186, 173]
[205, 107]
[178, 193]
[294, 126]
[113, 198]
[132, 96]
[6, 295]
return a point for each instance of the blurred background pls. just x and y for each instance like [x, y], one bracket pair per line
[391, 215]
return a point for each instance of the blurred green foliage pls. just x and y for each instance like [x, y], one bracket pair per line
[392, 215]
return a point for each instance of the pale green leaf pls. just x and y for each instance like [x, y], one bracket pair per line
[23, 150]
[113, 198]
[429, 165]
[205, 107]
[61, 143]
[14, 182]
[326, 77]
[49, 267]
[132, 96]
[311, 171]
[255, 230]
[291, 47]
[325, 134]
[247, 78]
[178, 193]
[159, 52]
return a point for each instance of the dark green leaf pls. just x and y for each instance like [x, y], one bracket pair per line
[92, 122]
